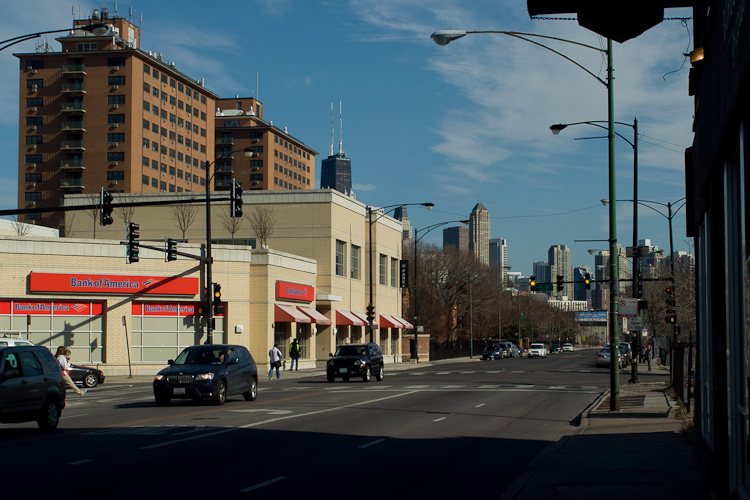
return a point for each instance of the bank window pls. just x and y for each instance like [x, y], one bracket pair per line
[354, 266]
[383, 260]
[340, 252]
[394, 266]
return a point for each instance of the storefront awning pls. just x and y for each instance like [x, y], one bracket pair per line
[404, 322]
[388, 321]
[347, 318]
[363, 317]
[314, 315]
[289, 314]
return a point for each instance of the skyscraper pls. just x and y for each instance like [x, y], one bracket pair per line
[479, 233]
[499, 257]
[579, 287]
[457, 237]
[559, 264]
[401, 215]
[541, 272]
[336, 170]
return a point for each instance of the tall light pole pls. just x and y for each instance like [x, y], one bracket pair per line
[371, 317]
[209, 275]
[417, 238]
[444, 37]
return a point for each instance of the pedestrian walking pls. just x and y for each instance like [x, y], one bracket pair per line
[63, 359]
[294, 352]
[649, 355]
[274, 356]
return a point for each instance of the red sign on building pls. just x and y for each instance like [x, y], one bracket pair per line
[51, 308]
[111, 284]
[294, 291]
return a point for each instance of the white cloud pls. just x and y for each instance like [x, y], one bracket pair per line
[363, 187]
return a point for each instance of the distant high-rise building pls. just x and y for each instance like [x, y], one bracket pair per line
[499, 257]
[457, 237]
[336, 170]
[579, 287]
[600, 293]
[650, 265]
[401, 215]
[479, 233]
[559, 265]
[541, 272]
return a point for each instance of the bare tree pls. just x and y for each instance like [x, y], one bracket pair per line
[231, 224]
[91, 199]
[19, 227]
[262, 221]
[126, 214]
[184, 215]
[69, 222]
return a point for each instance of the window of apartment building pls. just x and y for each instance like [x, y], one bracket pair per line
[144, 180]
[33, 177]
[146, 69]
[163, 150]
[286, 185]
[171, 170]
[164, 97]
[179, 173]
[164, 78]
[276, 139]
[171, 188]
[179, 156]
[203, 132]
[195, 145]
[163, 114]
[33, 196]
[154, 146]
[115, 80]
[146, 106]
[172, 135]
[146, 87]
[145, 161]
[172, 118]
[155, 92]
[256, 177]
[188, 126]
[203, 165]
[34, 158]
[155, 164]
[195, 162]
[203, 116]
[180, 87]
[188, 160]
[203, 99]
[116, 99]
[354, 266]
[188, 92]
[383, 261]
[116, 61]
[179, 189]
[276, 180]
[195, 179]
[256, 163]
[162, 186]
[394, 274]
[164, 167]
[172, 100]
[33, 102]
[163, 132]
[34, 139]
[179, 139]
[172, 83]
[172, 153]
[35, 64]
[155, 128]
[115, 137]
[34, 120]
[179, 122]
[203, 148]
[116, 118]
[155, 109]
[155, 183]
[195, 94]
[256, 149]
[196, 129]
[116, 156]
[188, 108]
[116, 176]
[146, 124]
[180, 104]
[340, 252]
[85, 47]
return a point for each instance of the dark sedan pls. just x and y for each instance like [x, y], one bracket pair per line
[87, 377]
[208, 372]
[356, 360]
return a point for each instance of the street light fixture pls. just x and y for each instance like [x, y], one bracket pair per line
[209, 275]
[426, 230]
[371, 222]
[96, 29]
[444, 37]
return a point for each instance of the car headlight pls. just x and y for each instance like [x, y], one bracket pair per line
[205, 376]
[160, 377]
[330, 363]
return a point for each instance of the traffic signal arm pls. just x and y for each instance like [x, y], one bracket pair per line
[162, 249]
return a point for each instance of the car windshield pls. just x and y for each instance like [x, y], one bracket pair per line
[605, 350]
[351, 350]
[537, 346]
[201, 356]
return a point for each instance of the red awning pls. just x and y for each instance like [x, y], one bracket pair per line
[314, 315]
[363, 317]
[404, 322]
[289, 314]
[347, 318]
[388, 321]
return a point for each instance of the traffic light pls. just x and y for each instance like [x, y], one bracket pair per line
[532, 283]
[200, 310]
[171, 250]
[218, 307]
[587, 280]
[639, 286]
[370, 313]
[671, 304]
[559, 282]
[133, 247]
[105, 202]
[235, 200]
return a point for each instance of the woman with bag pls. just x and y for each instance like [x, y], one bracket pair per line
[63, 359]
[274, 356]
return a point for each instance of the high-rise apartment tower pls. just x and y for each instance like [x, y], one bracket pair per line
[479, 233]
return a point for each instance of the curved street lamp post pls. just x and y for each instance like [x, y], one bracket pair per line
[96, 29]
[444, 37]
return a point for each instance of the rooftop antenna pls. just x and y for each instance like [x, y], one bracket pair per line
[257, 85]
[341, 132]
[330, 147]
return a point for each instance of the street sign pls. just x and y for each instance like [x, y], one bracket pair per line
[404, 275]
[635, 324]
[420, 329]
[627, 308]
[545, 287]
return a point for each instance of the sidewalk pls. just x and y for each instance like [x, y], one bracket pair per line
[639, 452]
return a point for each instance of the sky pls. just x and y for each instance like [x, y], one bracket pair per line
[453, 125]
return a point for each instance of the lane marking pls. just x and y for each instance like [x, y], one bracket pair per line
[417, 386]
[74, 416]
[553, 387]
[454, 386]
[517, 371]
[270, 481]
[479, 405]
[413, 374]
[466, 373]
[442, 373]
[439, 419]
[272, 420]
[371, 444]
[81, 462]
[524, 386]
[264, 410]
[495, 371]
[489, 386]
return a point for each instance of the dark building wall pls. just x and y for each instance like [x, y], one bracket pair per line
[336, 173]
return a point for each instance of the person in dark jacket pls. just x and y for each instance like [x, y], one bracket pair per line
[649, 355]
[294, 353]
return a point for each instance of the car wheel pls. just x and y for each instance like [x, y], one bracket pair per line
[346, 379]
[331, 378]
[252, 392]
[380, 375]
[221, 393]
[162, 400]
[366, 376]
[50, 416]
[91, 380]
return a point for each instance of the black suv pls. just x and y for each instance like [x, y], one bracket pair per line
[31, 386]
[208, 372]
[356, 360]
[492, 352]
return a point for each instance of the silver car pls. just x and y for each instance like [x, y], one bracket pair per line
[603, 357]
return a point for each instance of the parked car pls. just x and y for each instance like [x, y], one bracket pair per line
[356, 360]
[603, 357]
[555, 348]
[509, 348]
[208, 372]
[517, 350]
[567, 347]
[537, 350]
[505, 351]
[87, 377]
[31, 386]
[491, 352]
[627, 353]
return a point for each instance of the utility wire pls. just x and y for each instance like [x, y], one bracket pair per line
[525, 216]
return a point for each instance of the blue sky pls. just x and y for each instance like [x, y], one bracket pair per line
[451, 125]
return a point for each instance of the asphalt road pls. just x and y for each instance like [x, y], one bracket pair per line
[460, 430]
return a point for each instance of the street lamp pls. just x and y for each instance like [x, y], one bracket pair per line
[446, 36]
[556, 129]
[209, 277]
[416, 276]
[371, 222]
[96, 29]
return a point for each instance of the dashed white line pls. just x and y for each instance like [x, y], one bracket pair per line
[489, 386]
[495, 371]
[271, 481]
[454, 386]
[439, 419]
[517, 371]
[524, 386]
[479, 405]
[417, 386]
[371, 444]
[74, 416]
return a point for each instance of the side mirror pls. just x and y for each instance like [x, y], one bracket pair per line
[330, 354]
[12, 374]
[234, 361]
[170, 362]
